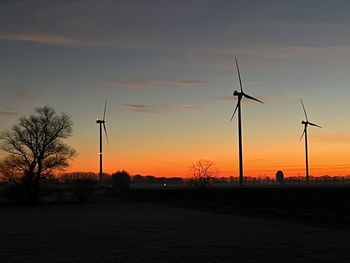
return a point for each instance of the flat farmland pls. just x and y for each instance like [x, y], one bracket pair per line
[149, 232]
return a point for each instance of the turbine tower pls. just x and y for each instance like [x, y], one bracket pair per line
[306, 123]
[102, 123]
[240, 94]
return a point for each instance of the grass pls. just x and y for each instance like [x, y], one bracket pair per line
[148, 232]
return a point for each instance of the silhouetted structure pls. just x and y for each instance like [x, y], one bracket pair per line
[240, 94]
[280, 177]
[102, 123]
[306, 123]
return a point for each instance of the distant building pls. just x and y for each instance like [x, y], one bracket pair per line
[279, 177]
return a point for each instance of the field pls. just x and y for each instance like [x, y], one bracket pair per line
[324, 205]
[115, 230]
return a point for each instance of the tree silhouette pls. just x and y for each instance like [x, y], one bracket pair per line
[121, 181]
[35, 148]
[202, 172]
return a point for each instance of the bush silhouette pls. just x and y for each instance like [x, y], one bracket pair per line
[82, 185]
[121, 181]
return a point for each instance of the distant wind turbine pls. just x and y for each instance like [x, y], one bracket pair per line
[102, 123]
[306, 123]
[240, 94]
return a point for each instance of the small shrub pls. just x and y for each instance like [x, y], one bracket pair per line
[82, 185]
[121, 181]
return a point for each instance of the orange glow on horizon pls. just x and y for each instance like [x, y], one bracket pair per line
[294, 166]
[154, 153]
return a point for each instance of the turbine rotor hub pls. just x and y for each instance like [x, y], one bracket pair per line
[236, 93]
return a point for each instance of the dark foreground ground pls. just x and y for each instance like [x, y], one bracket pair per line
[326, 205]
[148, 232]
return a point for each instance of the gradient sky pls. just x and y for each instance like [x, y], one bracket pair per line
[166, 68]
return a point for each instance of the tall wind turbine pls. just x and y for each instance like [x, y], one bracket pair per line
[240, 94]
[102, 123]
[306, 123]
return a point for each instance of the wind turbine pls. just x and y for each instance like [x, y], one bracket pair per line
[240, 94]
[102, 123]
[306, 123]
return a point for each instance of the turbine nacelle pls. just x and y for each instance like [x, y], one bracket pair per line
[237, 93]
[306, 123]
[100, 121]
[241, 94]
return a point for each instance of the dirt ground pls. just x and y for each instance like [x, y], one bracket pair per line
[142, 232]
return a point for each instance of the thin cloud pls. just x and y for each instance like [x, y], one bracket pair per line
[146, 108]
[193, 108]
[24, 95]
[8, 113]
[154, 83]
[216, 55]
[50, 39]
[163, 109]
[223, 98]
[71, 41]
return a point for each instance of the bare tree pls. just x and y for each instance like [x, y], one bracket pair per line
[202, 172]
[9, 171]
[35, 148]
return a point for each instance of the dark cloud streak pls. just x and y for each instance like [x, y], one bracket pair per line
[8, 114]
[163, 108]
[154, 83]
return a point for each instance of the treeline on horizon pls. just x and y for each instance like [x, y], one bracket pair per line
[87, 186]
[139, 180]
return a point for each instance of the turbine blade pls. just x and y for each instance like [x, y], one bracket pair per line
[239, 76]
[304, 110]
[303, 134]
[104, 127]
[234, 111]
[104, 112]
[313, 124]
[252, 98]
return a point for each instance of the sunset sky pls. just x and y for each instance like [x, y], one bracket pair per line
[167, 71]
